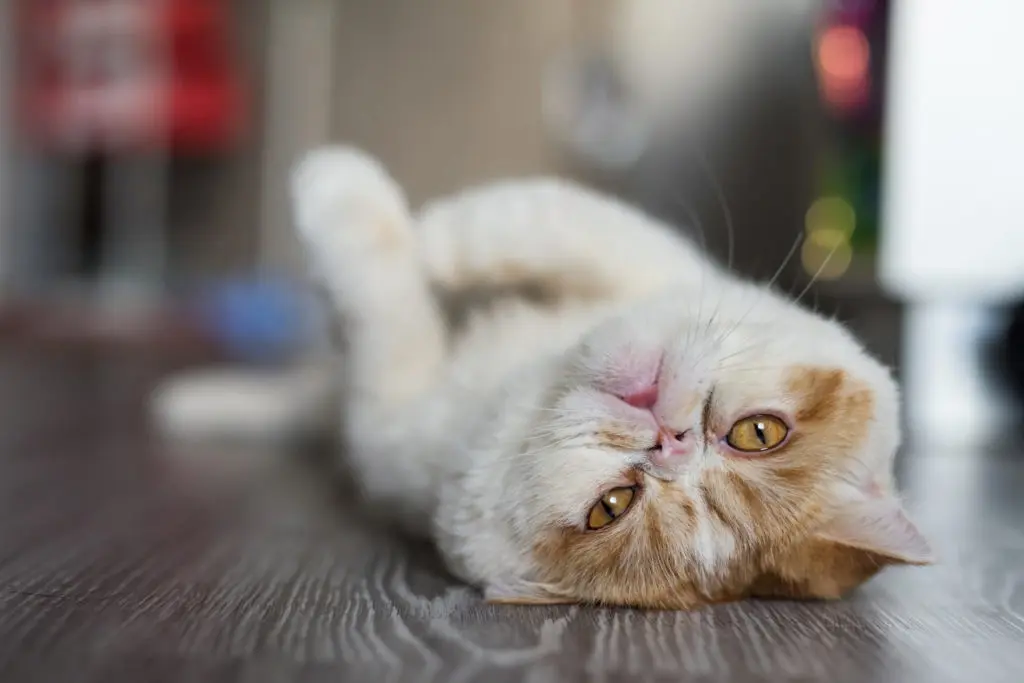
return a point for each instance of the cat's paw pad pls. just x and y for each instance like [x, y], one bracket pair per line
[341, 189]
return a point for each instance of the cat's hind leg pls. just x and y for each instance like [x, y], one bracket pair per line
[354, 224]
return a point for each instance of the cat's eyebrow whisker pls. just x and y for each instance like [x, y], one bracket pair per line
[559, 418]
[741, 367]
[514, 454]
[741, 352]
[752, 368]
[752, 363]
[713, 318]
[556, 427]
[554, 430]
[704, 264]
[691, 334]
[765, 289]
[723, 203]
[707, 327]
[785, 262]
[555, 409]
[753, 345]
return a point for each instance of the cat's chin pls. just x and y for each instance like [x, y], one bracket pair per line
[528, 593]
[770, 586]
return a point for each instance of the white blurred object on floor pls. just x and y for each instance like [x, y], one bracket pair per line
[245, 404]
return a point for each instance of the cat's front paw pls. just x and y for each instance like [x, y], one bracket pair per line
[343, 193]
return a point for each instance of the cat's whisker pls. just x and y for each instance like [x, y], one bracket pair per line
[785, 262]
[817, 273]
[752, 345]
[544, 448]
[698, 225]
[723, 203]
[741, 369]
[710, 322]
[691, 333]
[740, 352]
[557, 410]
[766, 288]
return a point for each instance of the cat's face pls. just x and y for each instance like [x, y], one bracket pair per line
[689, 458]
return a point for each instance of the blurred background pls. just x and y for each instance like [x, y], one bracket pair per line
[863, 155]
[834, 145]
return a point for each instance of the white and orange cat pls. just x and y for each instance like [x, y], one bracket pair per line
[652, 432]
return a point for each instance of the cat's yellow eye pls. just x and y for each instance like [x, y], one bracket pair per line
[757, 433]
[611, 506]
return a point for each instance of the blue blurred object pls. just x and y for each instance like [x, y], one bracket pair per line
[261, 320]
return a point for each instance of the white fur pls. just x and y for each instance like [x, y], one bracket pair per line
[481, 440]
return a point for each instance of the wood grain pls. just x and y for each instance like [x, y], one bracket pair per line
[122, 559]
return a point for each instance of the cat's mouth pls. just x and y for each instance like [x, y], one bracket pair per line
[663, 472]
[673, 449]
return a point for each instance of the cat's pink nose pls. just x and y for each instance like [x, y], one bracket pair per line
[672, 453]
[678, 443]
[645, 398]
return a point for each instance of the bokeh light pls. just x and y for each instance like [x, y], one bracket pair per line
[843, 59]
[831, 213]
[827, 253]
[844, 53]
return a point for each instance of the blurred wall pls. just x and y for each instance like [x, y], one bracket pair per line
[445, 92]
[449, 92]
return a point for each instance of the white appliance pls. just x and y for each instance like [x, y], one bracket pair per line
[953, 214]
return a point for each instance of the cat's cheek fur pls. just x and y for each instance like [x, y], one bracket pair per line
[781, 526]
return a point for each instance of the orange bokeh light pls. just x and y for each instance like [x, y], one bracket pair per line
[843, 59]
[844, 54]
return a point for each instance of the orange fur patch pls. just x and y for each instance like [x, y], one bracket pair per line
[620, 440]
[634, 562]
[832, 421]
[819, 390]
[818, 569]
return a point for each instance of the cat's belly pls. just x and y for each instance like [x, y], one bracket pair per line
[516, 333]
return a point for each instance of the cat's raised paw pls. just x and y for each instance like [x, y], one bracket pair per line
[341, 189]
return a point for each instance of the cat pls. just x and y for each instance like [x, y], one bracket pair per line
[653, 432]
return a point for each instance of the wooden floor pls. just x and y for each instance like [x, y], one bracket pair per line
[125, 560]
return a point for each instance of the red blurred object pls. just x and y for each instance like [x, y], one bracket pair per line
[105, 75]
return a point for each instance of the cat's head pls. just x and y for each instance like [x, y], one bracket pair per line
[686, 456]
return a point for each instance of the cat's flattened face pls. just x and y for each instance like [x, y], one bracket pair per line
[794, 511]
[683, 543]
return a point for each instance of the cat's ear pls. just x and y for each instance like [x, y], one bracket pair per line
[877, 523]
[521, 592]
